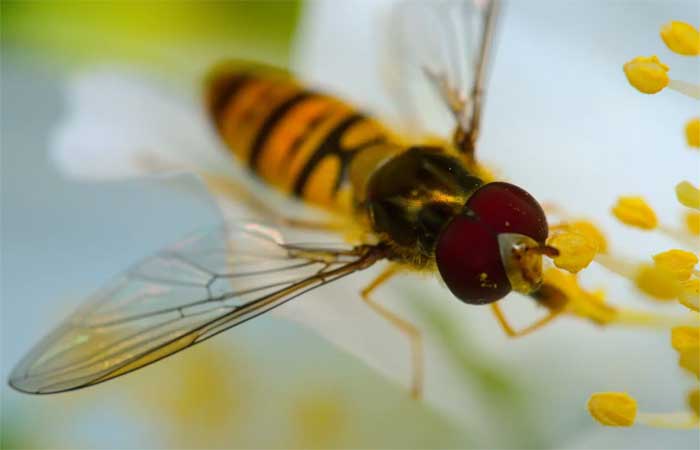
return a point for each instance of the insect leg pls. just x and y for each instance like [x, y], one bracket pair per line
[406, 327]
[511, 332]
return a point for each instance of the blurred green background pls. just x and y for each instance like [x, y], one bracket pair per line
[176, 37]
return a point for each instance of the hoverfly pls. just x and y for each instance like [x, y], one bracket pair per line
[427, 206]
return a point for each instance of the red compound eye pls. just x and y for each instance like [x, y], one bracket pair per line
[469, 261]
[468, 253]
[509, 209]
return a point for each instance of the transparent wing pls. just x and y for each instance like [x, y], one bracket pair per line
[441, 46]
[191, 291]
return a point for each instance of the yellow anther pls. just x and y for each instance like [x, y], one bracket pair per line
[613, 409]
[685, 338]
[647, 74]
[681, 38]
[688, 195]
[692, 222]
[636, 212]
[576, 251]
[658, 282]
[690, 294]
[694, 401]
[678, 262]
[692, 132]
[579, 302]
[690, 361]
[592, 232]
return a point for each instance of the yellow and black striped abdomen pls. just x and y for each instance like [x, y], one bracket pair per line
[300, 141]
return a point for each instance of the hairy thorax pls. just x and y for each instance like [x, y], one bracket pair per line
[412, 195]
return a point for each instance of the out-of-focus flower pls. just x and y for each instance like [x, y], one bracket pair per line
[139, 152]
[204, 400]
[319, 418]
[673, 274]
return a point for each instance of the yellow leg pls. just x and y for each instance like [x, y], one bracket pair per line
[406, 327]
[511, 332]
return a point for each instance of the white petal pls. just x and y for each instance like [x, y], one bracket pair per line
[338, 314]
[537, 132]
[570, 359]
[120, 124]
[362, 33]
[356, 31]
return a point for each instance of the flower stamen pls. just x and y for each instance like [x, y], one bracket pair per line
[692, 223]
[613, 409]
[674, 274]
[647, 74]
[575, 250]
[683, 87]
[619, 409]
[690, 294]
[692, 132]
[658, 282]
[674, 420]
[685, 338]
[561, 290]
[688, 195]
[679, 235]
[681, 38]
[678, 262]
[635, 212]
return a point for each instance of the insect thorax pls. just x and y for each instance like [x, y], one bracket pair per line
[412, 196]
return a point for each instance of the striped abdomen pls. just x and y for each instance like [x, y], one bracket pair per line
[300, 141]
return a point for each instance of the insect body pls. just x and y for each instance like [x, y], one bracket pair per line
[429, 207]
[295, 139]
[320, 149]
